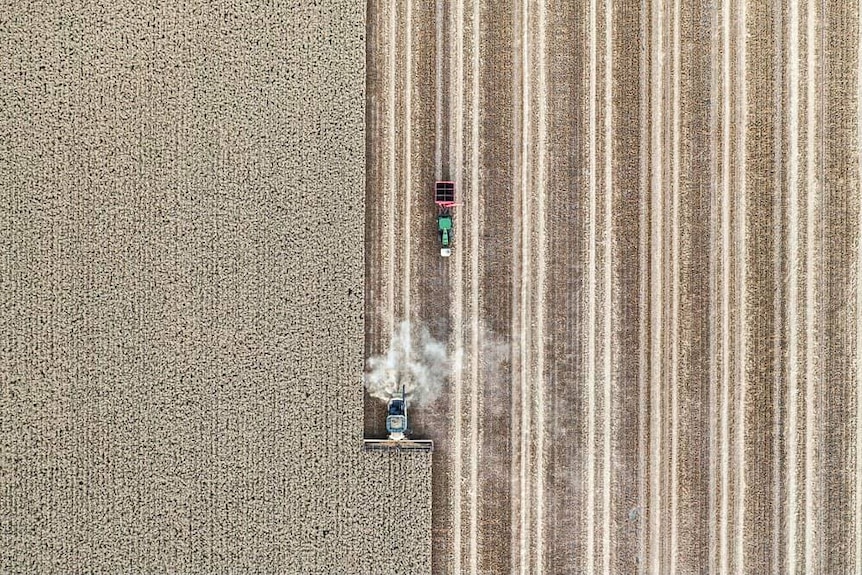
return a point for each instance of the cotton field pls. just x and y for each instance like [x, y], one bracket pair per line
[182, 281]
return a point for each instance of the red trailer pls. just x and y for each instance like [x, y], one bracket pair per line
[444, 194]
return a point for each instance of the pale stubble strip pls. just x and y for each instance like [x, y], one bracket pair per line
[526, 286]
[674, 328]
[458, 307]
[643, 287]
[725, 291]
[811, 276]
[475, 219]
[608, 291]
[517, 291]
[541, 138]
[778, 348]
[656, 288]
[742, 255]
[438, 92]
[715, 90]
[792, 288]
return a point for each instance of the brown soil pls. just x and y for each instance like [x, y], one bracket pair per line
[654, 285]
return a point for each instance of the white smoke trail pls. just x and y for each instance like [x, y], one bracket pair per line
[414, 359]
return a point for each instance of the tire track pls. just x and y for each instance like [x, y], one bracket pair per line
[516, 476]
[675, 290]
[439, 38]
[541, 158]
[608, 343]
[656, 289]
[522, 332]
[644, 315]
[457, 161]
[716, 76]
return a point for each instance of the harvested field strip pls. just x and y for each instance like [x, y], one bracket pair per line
[661, 226]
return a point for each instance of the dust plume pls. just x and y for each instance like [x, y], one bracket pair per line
[414, 359]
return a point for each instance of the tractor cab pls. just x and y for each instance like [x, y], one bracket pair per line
[444, 229]
[396, 418]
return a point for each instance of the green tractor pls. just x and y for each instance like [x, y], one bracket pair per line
[444, 197]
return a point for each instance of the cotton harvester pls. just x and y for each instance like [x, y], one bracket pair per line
[396, 427]
[444, 197]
